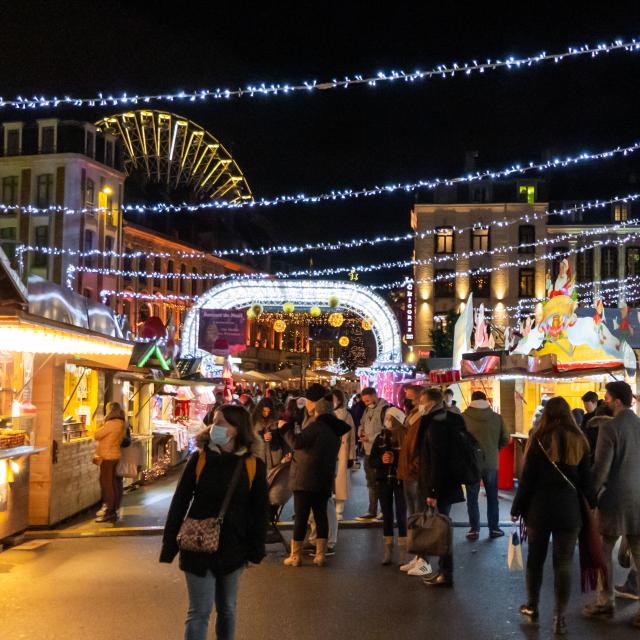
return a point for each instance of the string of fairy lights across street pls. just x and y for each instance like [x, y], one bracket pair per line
[261, 89]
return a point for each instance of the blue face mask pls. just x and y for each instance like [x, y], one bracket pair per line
[219, 436]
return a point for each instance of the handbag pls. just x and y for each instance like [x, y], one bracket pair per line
[593, 564]
[514, 553]
[203, 536]
[429, 533]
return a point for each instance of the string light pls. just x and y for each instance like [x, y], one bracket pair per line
[449, 70]
[345, 194]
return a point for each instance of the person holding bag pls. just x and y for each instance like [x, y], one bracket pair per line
[555, 476]
[217, 521]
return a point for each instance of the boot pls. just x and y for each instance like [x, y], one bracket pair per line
[402, 545]
[294, 559]
[388, 550]
[321, 549]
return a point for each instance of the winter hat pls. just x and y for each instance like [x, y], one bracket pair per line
[315, 392]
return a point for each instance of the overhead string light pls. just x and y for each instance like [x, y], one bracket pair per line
[340, 194]
[449, 70]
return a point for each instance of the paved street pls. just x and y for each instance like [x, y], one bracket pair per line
[105, 588]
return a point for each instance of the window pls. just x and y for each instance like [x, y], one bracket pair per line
[609, 262]
[142, 268]
[45, 190]
[194, 281]
[88, 247]
[41, 235]
[108, 247]
[90, 194]
[526, 236]
[633, 261]
[480, 239]
[90, 144]
[109, 153]
[526, 283]
[620, 212]
[127, 265]
[584, 266]
[527, 193]
[559, 254]
[157, 268]
[47, 141]
[183, 279]
[170, 269]
[445, 283]
[13, 142]
[8, 241]
[481, 285]
[444, 240]
[10, 190]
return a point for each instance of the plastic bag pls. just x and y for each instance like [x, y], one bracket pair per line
[514, 554]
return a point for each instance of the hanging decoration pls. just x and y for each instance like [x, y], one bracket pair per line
[288, 307]
[315, 312]
[250, 314]
[343, 341]
[336, 320]
[279, 326]
[367, 324]
[333, 302]
[256, 309]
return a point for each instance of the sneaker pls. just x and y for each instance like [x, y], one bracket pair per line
[379, 516]
[339, 517]
[473, 534]
[367, 517]
[331, 551]
[101, 511]
[623, 591]
[438, 580]
[421, 569]
[410, 565]
[597, 610]
[496, 533]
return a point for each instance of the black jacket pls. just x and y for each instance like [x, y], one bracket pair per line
[435, 456]
[315, 453]
[242, 538]
[386, 441]
[544, 498]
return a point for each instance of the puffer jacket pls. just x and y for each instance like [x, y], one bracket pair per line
[109, 438]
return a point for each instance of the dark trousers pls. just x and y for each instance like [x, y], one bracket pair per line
[564, 544]
[445, 564]
[304, 502]
[388, 492]
[490, 481]
[370, 474]
[109, 485]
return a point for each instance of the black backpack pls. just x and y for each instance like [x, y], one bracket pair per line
[466, 454]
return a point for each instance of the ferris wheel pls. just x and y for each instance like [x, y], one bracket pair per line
[175, 152]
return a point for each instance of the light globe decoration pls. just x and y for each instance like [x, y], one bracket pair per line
[250, 314]
[333, 301]
[279, 326]
[360, 300]
[288, 307]
[173, 151]
[315, 312]
[256, 309]
[344, 341]
[367, 324]
[336, 320]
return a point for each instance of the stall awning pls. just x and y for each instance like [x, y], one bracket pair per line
[25, 333]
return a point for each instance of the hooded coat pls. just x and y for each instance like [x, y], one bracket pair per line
[488, 428]
[315, 453]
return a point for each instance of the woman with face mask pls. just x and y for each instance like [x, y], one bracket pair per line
[225, 453]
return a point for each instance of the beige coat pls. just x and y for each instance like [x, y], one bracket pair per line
[347, 452]
[109, 438]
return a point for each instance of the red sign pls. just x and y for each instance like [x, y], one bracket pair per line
[222, 331]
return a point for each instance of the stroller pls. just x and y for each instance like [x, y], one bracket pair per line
[279, 495]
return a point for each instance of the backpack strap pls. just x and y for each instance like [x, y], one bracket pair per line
[250, 463]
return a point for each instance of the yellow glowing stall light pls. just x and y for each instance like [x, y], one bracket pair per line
[344, 341]
[288, 307]
[279, 326]
[333, 301]
[33, 339]
[367, 324]
[315, 312]
[336, 319]
[250, 314]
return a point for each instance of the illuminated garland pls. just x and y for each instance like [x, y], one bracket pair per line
[313, 86]
[345, 194]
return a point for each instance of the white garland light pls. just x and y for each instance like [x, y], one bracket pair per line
[342, 194]
[313, 86]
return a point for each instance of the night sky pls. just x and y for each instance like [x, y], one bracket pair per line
[359, 137]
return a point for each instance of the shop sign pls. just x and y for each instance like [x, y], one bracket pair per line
[222, 331]
[151, 355]
[410, 314]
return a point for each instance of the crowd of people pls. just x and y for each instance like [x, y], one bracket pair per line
[409, 462]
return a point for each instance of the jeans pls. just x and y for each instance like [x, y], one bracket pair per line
[370, 474]
[203, 592]
[304, 502]
[490, 480]
[388, 493]
[332, 519]
[109, 486]
[564, 544]
[412, 498]
[608, 542]
[445, 564]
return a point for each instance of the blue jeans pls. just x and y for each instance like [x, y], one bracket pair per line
[490, 480]
[203, 592]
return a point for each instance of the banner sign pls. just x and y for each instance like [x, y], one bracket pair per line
[222, 331]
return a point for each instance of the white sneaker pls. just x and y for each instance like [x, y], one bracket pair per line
[420, 570]
[410, 565]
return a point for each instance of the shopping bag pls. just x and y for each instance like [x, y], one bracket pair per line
[429, 533]
[514, 553]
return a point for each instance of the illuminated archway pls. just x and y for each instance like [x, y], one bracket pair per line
[240, 294]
